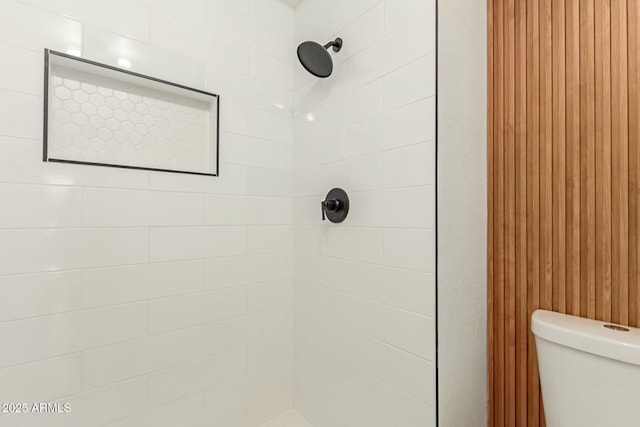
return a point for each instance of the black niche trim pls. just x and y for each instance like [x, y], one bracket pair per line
[110, 165]
[45, 151]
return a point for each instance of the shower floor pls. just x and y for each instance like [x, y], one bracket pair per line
[288, 419]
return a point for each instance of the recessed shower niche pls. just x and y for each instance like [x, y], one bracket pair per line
[105, 116]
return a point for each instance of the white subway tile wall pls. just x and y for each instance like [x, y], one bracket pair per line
[157, 299]
[364, 290]
[150, 299]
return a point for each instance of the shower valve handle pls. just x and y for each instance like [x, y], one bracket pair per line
[329, 205]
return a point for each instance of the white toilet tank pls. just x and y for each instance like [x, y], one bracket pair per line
[589, 370]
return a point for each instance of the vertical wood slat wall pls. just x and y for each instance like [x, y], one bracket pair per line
[564, 179]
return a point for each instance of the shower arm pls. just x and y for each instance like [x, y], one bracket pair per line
[335, 44]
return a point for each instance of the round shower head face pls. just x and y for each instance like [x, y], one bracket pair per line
[315, 59]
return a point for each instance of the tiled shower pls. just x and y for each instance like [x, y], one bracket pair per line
[364, 291]
[151, 298]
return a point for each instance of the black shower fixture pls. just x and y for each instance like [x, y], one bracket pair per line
[335, 206]
[316, 59]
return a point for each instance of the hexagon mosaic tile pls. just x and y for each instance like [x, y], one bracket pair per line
[102, 120]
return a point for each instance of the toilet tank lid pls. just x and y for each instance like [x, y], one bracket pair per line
[588, 335]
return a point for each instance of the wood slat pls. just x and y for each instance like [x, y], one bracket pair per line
[633, 24]
[521, 309]
[573, 156]
[499, 259]
[490, 201]
[587, 159]
[564, 179]
[509, 209]
[546, 156]
[603, 159]
[533, 203]
[619, 164]
[559, 154]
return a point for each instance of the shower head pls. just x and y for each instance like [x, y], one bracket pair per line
[315, 58]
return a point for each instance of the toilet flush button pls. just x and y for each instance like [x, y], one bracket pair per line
[616, 328]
